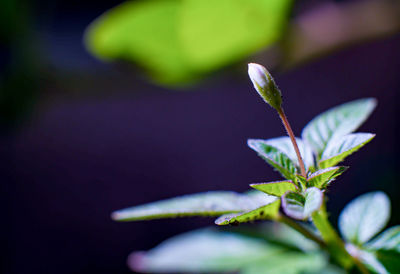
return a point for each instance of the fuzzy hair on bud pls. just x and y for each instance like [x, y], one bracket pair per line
[265, 85]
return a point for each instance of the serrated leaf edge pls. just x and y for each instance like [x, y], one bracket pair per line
[268, 159]
[228, 219]
[321, 172]
[354, 149]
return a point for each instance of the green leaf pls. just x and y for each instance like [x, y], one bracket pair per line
[365, 216]
[276, 158]
[213, 203]
[337, 122]
[275, 188]
[285, 145]
[174, 42]
[339, 148]
[266, 212]
[370, 260]
[145, 33]
[281, 233]
[323, 177]
[203, 251]
[300, 206]
[387, 240]
[303, 181]
[389, 259]
[232, 29]
[289, 263]
[381, 261]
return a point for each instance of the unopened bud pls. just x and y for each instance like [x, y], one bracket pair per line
[265, 85]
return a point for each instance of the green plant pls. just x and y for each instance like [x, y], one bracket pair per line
[301, 238]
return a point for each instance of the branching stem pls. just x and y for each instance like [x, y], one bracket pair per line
[330, 242]
[334, 243]
[289, 131]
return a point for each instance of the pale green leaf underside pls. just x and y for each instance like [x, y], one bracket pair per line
[213, 203]
[323, 177]
[266, 212]
[203, 251]
[387, 240]
[276, 158]
[365, 216]
[336, 122]
[301, 206]
[275, 188]
[285, 145]
[339, 148]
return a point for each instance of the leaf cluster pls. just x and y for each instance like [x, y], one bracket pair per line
[325, 142]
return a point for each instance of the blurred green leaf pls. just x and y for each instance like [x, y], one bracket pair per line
[300, 206]
[275, 188]
[217, 33]
[177, 41]
[276, 158]
[213, 203]
[281, 233]
[389, 259]
[203, 251]
[266, 212]
[323, 177]
[365, 216]
[145, 33]
[338, 149]
[285, 145]
[289, 263]
[336, 122]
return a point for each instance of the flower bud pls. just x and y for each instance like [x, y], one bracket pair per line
[265, 85]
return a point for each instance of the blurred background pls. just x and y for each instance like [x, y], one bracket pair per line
[101, 111]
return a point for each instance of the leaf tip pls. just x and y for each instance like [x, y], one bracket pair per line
[116, 216]
[136, 260]
[255, 185]
[223, 220]
[252, 143]
[373, 101]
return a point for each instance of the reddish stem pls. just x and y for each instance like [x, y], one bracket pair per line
[293, 139]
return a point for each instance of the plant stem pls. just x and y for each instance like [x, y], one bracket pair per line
[289, 131]
[299, 228]
[334, 243]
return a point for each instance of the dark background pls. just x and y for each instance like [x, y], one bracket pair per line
[85, 138]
